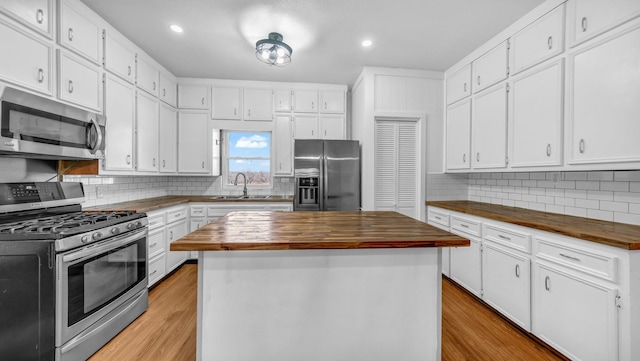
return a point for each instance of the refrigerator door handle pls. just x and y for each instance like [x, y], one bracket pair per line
[325, 182]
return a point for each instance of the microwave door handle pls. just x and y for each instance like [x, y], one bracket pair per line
[93, 251]
[94, 148]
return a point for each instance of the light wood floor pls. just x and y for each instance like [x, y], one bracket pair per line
[167, 331]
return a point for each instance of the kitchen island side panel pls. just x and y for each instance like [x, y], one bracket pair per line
[317, 305]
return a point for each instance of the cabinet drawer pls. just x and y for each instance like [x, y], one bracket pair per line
[438, 217]
[156, 243]
[176, 214]
[157, 269]
[508, 238]
[466, 226]
[155, 220]
[599, 265]
[219, 211]
[198, 211]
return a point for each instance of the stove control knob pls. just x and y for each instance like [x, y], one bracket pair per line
[84, 239]
[96, 236]
[130, 226]
[138, 224]
[115, 230]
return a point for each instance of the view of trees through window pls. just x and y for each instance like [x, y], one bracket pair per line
[249, 153]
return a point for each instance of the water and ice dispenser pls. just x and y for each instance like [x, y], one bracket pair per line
[308, 191]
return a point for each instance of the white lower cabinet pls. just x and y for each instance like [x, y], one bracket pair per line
[466, 262]
[156, 246]
[165, 226]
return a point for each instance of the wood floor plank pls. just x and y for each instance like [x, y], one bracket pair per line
[167, 331]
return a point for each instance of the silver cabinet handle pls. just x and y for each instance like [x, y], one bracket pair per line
[40, 16]
[70, 34]
[464, 225]
[154, 162]
[40, 75]
[235, 111]
[154, 272]
[518, 270]
[550, 42]
[464, 158]
[436, 217]
[171, 235]
[202, 100]
[129, 70]
[70, 86]
[478, 156]
[504, 237]
[128, 159]
[464, 87]
[547, 283]
[584, 24]
[581, 146]
[153, 245]
[203, 164]
[164, 163]
[154, 85]
[312, 132]
[325, 132]
[478, 80]
[164, 92]
[549, 150]
[249, 112]
[313, 105]
[570, 257]
[325, 105]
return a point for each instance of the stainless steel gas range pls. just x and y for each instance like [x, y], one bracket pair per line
[69, 280]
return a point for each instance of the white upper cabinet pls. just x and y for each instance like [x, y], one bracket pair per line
[258, 104]
[79, 81]
[226, 103]
[305, 101]
[332, 101]
[539, 41]
[332, 127]
[305, 127]
[283, 145]
[604, 93]
[459, 136]
[193, 96]
[459, 84]
[491, 67]
[119, 56]
[147, 132]
[119, 108]
[490, 128]
[589, 18]
[282, 100]
[30, 61]
[36, 14]
[168, 141]
[168, 89]
[193, 142]
[536, 113]
[79, 31]
[147, 74]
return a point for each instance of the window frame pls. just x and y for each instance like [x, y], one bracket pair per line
[225, 136]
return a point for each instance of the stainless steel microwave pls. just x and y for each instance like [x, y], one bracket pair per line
[35, 127]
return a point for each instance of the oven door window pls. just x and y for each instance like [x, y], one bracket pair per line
[95, 282]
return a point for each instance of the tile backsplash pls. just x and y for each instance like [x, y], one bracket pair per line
[606, 195]
[101, 190]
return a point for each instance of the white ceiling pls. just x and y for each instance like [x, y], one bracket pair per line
[219, 35]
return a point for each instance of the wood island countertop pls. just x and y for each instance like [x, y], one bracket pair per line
[621, 235]
[243, 230]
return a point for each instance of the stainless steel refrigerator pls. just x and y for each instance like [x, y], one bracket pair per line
[327, 175]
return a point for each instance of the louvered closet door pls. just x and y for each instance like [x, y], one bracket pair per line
[396, 178]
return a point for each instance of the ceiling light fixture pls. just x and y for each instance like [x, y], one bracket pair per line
[176, 28]
[367, 43]
[273, 50]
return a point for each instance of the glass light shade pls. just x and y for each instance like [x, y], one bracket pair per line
[273, 51]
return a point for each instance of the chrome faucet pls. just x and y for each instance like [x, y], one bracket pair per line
[235, 183]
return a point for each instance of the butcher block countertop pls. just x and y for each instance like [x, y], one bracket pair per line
[151, 204]
[243, 230]
[621, 235]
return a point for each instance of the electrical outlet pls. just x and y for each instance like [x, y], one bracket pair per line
[284, 180]
[100, 192]
[556, 176]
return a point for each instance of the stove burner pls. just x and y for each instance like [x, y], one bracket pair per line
[63, 223]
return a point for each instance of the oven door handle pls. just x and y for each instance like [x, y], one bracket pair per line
[92, 250]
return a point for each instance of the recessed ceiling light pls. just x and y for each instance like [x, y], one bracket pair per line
[367, 43]
[175, 28]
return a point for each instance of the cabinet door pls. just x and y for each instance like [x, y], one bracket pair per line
[604, 88]
[466, 265]
[79, 31]
[36, 14]
[168, 89]
[119, 108]
[119, 56]
[258, 104]
[332, 127]
[506, 283]
[539, 41]
[459, 136]
[29, 63]
[490, 128]
[536, 117]
[147, 133]
[147, 75]
[175, 232]
[193, 96]
[588, 18]
[282, 100]
[79, 81]
[156, 242]
[305, 127]
[574, 315]
[225, 103]
[168, 144]
[332, 101]
[459, 84]
[491, 67]
[305, 101]
[283, 142]
[193, 143]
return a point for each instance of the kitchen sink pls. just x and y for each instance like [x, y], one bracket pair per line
[241, 197]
